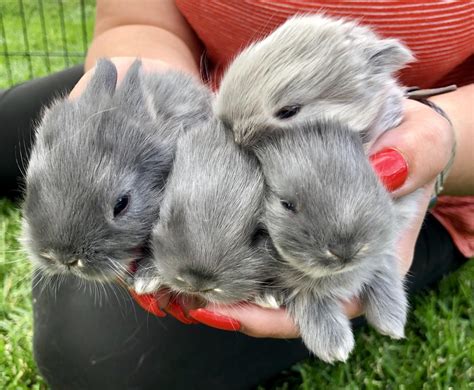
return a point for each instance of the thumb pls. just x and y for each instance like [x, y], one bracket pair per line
[411, 155]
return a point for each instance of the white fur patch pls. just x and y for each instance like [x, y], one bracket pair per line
[267, 301]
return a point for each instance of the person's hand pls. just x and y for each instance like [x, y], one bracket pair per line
[406, 158]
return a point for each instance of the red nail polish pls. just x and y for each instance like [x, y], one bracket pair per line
[148, 302]
[215, 320]
[177, 312]
[391, 167]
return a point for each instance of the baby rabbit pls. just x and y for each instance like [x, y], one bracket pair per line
[208, 241]
[335, 228]
[97, 169]
[313, 67]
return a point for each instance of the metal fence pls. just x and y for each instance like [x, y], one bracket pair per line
[38, 37]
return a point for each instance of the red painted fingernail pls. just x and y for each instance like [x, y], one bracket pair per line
[391, 167]
[148, 302]
[177, 312]
[215, 320]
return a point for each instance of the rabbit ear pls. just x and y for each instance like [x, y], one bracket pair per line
[389, 55]
[104, 79]
[132, 77]
[130, 92]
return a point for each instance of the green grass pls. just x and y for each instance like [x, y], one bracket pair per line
[438, 352]
[44, 42]
[17, 367]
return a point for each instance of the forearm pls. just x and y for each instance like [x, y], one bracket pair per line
[458, 105]
[146, 29]
[145, 42]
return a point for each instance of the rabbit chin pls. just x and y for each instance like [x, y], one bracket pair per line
[216, 296]
[314, 272]
[116, 272]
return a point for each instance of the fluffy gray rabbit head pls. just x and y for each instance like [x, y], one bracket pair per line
[311, 67]
[208, 242]
[95, 177]
[326, 211]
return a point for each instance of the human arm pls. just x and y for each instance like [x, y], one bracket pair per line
[144, 28]
[459, 106]
[153, 30]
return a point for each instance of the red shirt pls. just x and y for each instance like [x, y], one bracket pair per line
[440, 34]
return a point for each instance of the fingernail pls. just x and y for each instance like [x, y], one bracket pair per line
[391, 167]
[215, 320]
[177, 312]
[148, 302]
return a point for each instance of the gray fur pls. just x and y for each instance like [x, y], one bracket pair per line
[340, 240]
[333, 69]
[206, 242]
[89, 152]
[325, 329]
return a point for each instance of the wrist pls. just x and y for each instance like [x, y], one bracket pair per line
[457, 106]
[441, 177]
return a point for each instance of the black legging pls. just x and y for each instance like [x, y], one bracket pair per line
[82, 343]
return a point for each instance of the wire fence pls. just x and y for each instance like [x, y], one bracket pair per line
[38, 37]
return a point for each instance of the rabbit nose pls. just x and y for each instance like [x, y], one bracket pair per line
[344, 254]
[195, 280]
[72, 262]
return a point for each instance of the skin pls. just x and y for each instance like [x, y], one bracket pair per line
[156, 32]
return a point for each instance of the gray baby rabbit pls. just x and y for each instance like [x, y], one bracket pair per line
[98, 167]
[310, 68]
[335, 228]
[208, 241]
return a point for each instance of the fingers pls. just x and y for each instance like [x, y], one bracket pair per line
[246, 318]
[148, 302]
[174, 308]
[256, 321]
[215, 320]
[413, 154]
[153, 303]
[249, 319]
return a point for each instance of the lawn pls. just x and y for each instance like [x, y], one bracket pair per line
[438, 352]
[38, 37]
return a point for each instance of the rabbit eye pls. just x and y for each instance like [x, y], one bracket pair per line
[288, 205]
[121, 205]
[288, 111]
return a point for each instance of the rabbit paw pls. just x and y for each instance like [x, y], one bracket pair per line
[386, 306]
[388, 322]
[331, 343]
